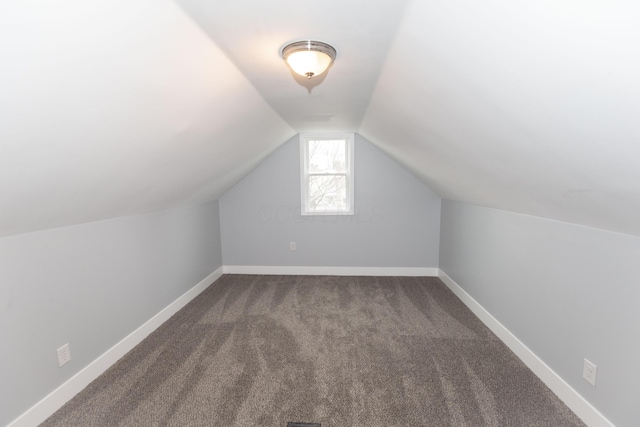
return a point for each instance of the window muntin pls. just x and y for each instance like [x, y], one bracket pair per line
[327, 174]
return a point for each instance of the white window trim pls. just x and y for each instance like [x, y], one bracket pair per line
[304, 174]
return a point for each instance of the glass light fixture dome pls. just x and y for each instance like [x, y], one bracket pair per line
[309, 58]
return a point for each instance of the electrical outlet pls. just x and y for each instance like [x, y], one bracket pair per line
[292, 246]
[64, 354]
[589, 372]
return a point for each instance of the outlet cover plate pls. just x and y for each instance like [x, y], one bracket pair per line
[589, 372]
[64, 355]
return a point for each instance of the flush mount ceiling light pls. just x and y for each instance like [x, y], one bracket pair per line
[309, 58]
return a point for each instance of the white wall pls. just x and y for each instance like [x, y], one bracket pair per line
[91, 285]
[396, 222]
[568, 292]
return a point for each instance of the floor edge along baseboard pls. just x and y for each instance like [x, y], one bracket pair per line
[574, 400]
[65, 392]
[331, 271]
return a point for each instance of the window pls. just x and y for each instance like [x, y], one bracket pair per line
[326, 173]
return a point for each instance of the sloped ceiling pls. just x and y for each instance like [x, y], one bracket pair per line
[114, 107]
[532, 107]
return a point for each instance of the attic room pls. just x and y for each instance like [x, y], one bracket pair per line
[150, 154]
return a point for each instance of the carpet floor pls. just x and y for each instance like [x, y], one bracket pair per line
[340, 351]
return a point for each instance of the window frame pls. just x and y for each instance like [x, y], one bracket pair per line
[305, 174]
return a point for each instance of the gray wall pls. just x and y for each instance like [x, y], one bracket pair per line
[91, 285]
[566, 291]
[396, 223]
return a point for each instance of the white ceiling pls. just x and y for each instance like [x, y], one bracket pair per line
[114, 107]
[252, 34]
[532, 107]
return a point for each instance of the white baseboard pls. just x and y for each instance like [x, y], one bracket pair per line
[331, 271]
[589, 415]
[57, 398]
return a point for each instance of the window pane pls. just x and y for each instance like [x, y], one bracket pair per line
[328, 193]
[327, 156]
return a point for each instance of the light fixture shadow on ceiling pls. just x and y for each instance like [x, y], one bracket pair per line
[309, 84]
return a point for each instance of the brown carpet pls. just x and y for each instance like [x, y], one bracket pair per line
[340, 351]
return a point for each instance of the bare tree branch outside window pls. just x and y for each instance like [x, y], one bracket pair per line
[327, 180]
